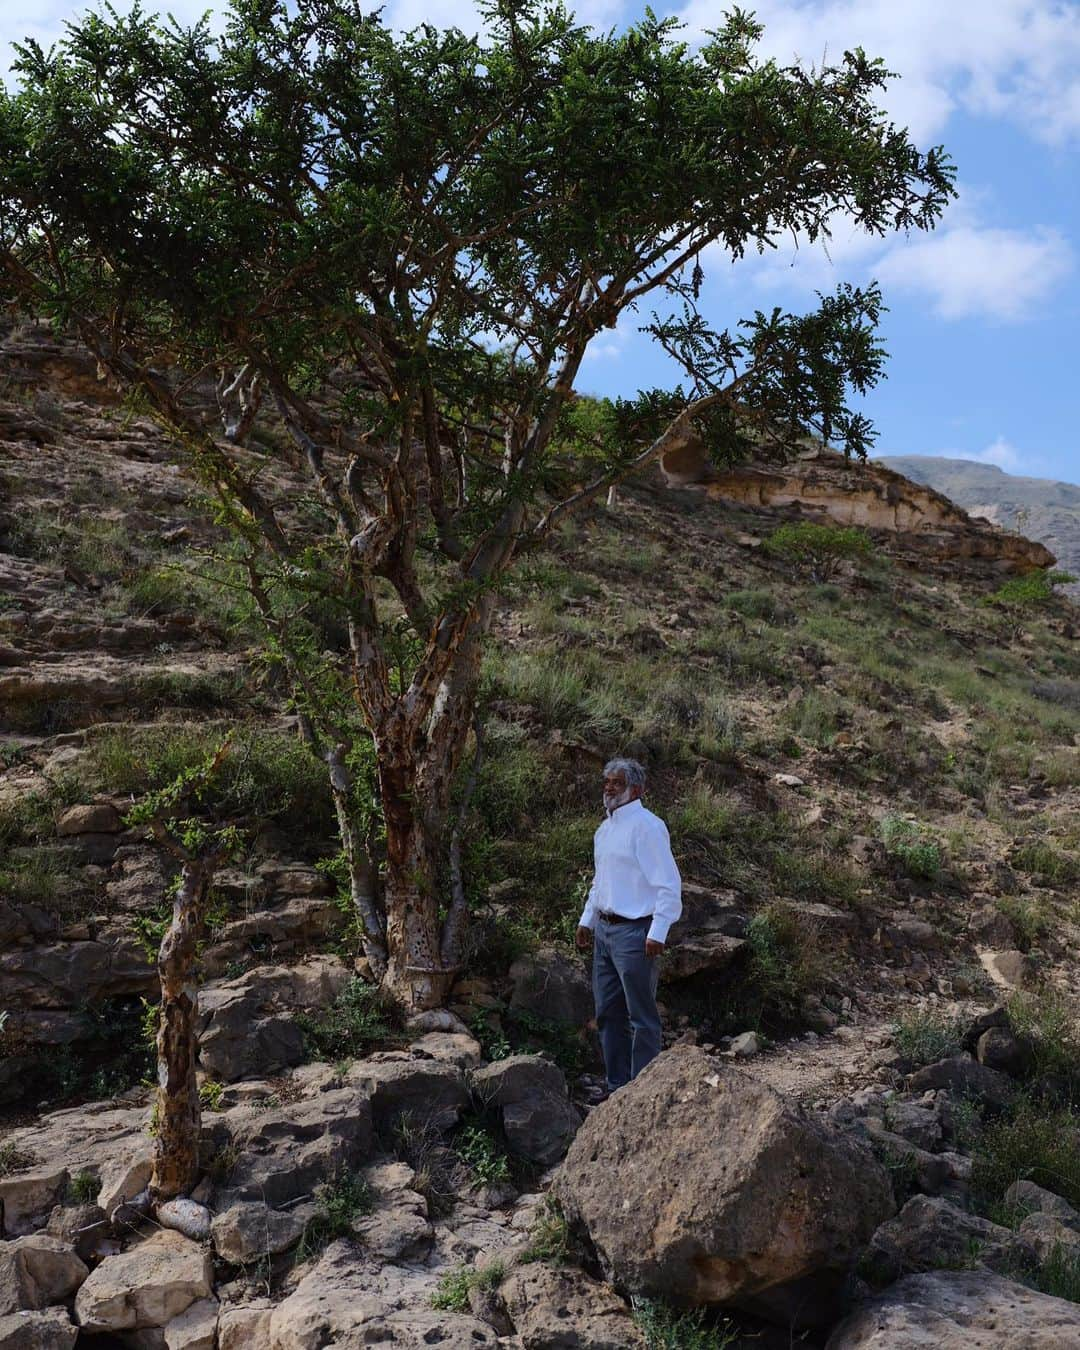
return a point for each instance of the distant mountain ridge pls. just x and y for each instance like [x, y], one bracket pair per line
[1041, 508]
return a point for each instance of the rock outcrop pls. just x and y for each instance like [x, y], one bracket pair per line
[699, 1184]
[866, 495]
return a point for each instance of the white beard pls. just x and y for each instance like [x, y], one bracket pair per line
[611, 803]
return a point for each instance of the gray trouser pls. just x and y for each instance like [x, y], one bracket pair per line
[624, 987]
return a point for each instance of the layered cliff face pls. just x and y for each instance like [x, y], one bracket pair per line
[869, 495]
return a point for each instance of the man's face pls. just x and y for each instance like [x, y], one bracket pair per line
[616, 790]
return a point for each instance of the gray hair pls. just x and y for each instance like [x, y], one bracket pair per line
[632, 771]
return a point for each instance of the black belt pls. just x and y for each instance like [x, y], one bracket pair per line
[622, 918]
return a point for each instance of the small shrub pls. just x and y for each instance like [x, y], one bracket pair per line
[754, 605]
[1028, 921]
[479, 1150]
[357, 1018]
[452, 1292]
[919, 855]
[1031, 591]
[786, 964]
[1032, 1143]
[667, 1328]
[14, 1159]
[339, 1203]
[1057, 1275]
[818, 549]
[1052, 1025]
[549, 1238]
[924, 1037]
[438, 1170]
[1046, 863]
[83, 1188]
[211, 1093]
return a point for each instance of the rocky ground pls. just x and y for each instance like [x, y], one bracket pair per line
[872, 786]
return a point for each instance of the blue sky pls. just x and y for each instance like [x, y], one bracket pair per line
[982, 323]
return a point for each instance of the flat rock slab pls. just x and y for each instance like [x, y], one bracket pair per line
[348, 1303]
[960, 1308]
[50, 1329]
[148, 1286]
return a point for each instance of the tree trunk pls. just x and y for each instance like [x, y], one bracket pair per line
[415, 974]
[176, 1145]
[416, 778]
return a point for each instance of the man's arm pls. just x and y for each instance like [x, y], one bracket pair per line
[652, 847]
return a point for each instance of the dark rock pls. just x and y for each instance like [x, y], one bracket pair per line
[967, 1078]
[929, 1233]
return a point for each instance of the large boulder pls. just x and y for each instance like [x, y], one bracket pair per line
[929, 1232]
[67, 974]
[549, 984]
[725, 1193]
[250, 1229]
[281, 1154]
[37, 1271]
[146, 1286]
[530, 1093]
[966, 1077]
[946, 1308]
[428, 1090]
[50, 1329]
[564, 1309]
[247, 1025]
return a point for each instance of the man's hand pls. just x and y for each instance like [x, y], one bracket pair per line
[653, 948]
[583, 939]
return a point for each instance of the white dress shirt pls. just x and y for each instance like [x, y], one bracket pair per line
[635, 872]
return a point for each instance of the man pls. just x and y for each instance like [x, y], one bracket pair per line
[635, 897]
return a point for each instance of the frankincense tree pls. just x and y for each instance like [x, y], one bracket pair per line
[391, 253]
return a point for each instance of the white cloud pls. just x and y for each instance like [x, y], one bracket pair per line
[1018, 59]
[1001, 453]
[980, 272]
[965, 269]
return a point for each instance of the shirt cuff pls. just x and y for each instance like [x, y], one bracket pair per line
[658, 929]
[587, 920]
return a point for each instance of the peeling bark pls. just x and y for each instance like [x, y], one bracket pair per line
[176, 1143]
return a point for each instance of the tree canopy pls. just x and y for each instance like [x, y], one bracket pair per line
[395, 249]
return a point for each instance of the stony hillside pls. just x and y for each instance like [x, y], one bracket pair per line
[872, 780]
[1037, 507]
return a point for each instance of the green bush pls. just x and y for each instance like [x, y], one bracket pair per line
[481, 1152]
[923, 1037]
[1051, 1023]
[818, 549]
[667, 1328]
[550, 1238]
[1031, 591]
[919, 855]
[1032, 1143]
[266, 774]
[357, 1018]
[754, 605]
[339, 1202]
[452, 1293]
[1046, 863]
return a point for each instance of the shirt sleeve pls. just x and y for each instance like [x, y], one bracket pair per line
[588, 914]
[652, 846]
